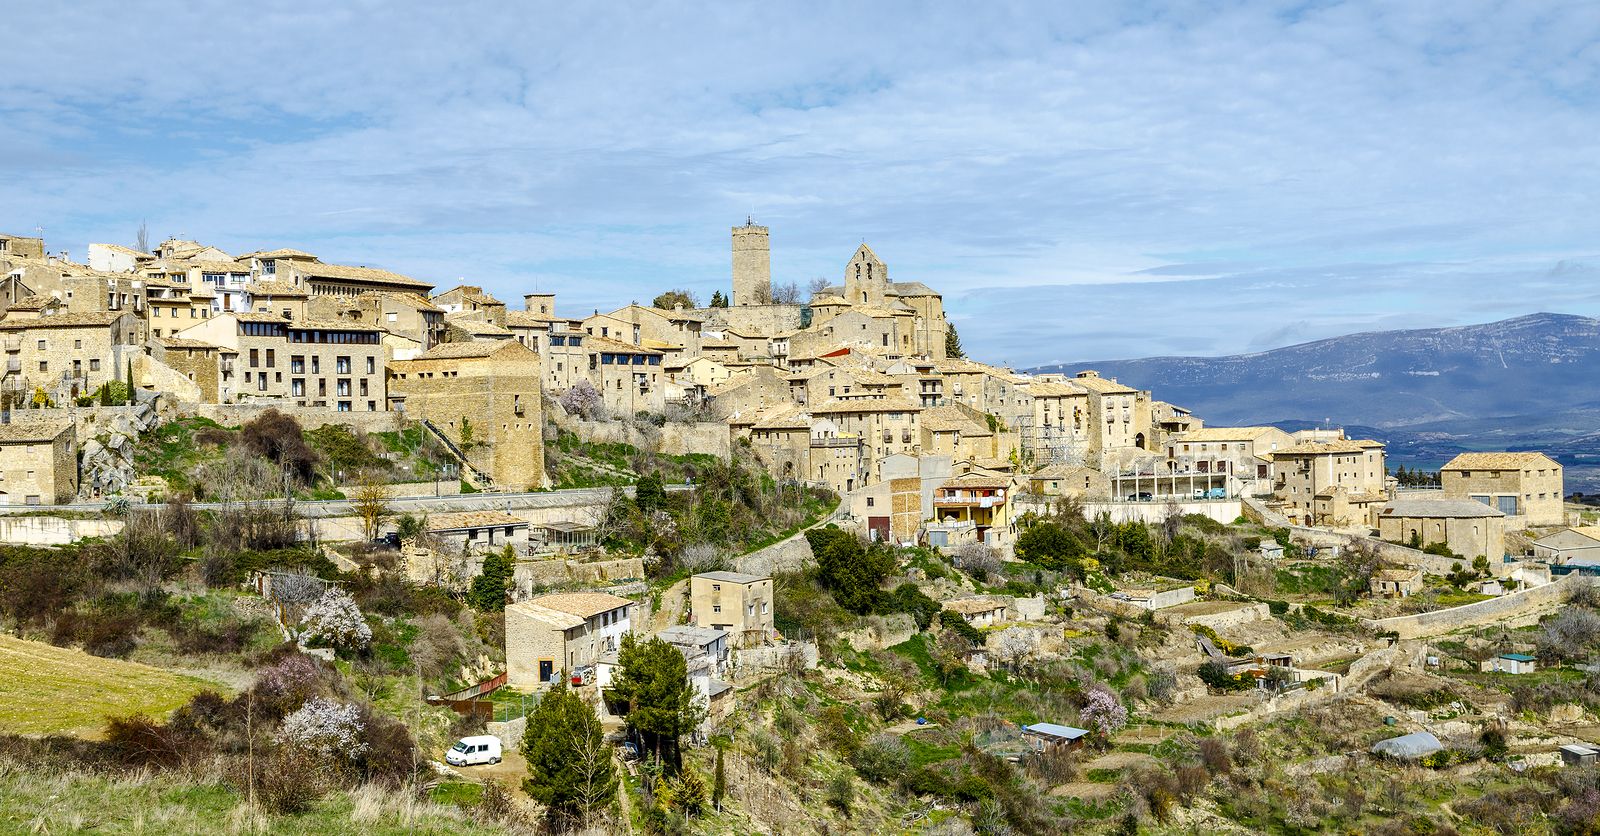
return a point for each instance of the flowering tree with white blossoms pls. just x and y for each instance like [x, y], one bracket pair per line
[336, 620]
[1103, 713]
[330, 730]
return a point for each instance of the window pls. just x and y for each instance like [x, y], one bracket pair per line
[272, 358]
[869, 502]
[372, 365]
[716, 608]
[255, 357]
[41, 345]
[94, 365]
[297, 387]
[44, 365]
[344, 406]
[77, 344]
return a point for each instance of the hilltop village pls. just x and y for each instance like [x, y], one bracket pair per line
[786, 562]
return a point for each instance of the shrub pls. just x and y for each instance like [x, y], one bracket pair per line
[329, 730]
[336, 621]
[953, 621]
[1215, 675]
[278, 438]
[841, 793]
[882, 759]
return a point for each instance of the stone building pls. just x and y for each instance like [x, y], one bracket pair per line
[752, 265]
[68, 354]
[1075, 480]
[480, 532]
[1470, 529]
[629, 377]
[38, 461]
[892, 509]
[470, 299]
[339, 365]
[16, 245]
[209, 367]
[973, 508]
[485, 400]
[1526, 487]
[885, 426]
[1243, 453]
[1337, 483]
[733, 601]
[555, 634]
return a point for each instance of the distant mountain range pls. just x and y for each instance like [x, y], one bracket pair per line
[1532, 382]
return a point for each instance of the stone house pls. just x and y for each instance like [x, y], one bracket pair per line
[629, 377]
[1111, 417]
[552, 634]
[273, 297]
[472, 300]
[319, 279]
[1063, 479]
[38, 461]
[886, 426]
[1336, 482]
[1526, 487]
[18, 246]
[408, 315]
[1395, 583]
[1468, 528]
[68, 354]
[209, 367]
[533, 328]
[961, 432]
[338, 365]
[739, 603]
[485, 400]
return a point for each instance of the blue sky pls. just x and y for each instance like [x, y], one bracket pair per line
[1081, 180]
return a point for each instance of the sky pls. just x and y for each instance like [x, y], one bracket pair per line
[1080, 180]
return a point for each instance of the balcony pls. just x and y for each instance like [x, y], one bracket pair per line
[13, 343]
[835, 442]
[14, 365]
[967, 500]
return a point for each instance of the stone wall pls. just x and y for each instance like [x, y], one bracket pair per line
[670, 439]
[754, 662]
[232, 415]
[33, 530]
[1026, 609]
[882, 632]
[559, 571]
[789, 555]
[1231, 618]
[1512, 609]
[509, 732]
[1221, 510]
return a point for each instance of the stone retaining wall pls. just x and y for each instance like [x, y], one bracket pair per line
[670, 439]
[53, 531]
[560, 571]
[232, 415]
[1509, 609]
[789, 555]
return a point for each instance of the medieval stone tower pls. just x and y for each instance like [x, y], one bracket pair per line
[752, 265]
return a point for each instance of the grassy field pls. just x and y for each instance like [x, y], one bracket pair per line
[46, 689]
[37, 801]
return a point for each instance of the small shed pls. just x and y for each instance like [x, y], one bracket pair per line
[1049, 737]
[1579, 754]
[1408, 746]
[979, 612]
[1396, 583]
[1511, 663]
[1272, 550]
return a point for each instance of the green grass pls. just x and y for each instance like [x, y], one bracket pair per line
[46, 689]
[170, 451]
[1102, 776]
[924, 753]
[53, 801]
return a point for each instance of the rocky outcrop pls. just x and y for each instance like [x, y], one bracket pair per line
[107, 463]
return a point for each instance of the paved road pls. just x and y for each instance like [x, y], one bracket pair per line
[402, 504]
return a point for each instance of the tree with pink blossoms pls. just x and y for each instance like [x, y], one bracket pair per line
[1102, 712]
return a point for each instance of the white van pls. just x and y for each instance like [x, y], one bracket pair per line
[470, 751]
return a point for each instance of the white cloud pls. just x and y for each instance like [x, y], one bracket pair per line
[603, 151]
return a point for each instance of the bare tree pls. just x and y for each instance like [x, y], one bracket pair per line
[592, 765]
[371, 503]
[142, 241]
[786, 294]
[817, 285]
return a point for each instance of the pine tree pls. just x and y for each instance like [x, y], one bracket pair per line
[654, 681]
[952, 343]
[718, 300]
[569, 766]
[488, 592]
[130, 382]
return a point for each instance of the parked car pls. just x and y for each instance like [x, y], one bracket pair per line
[1140, 497]
[471, 751]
